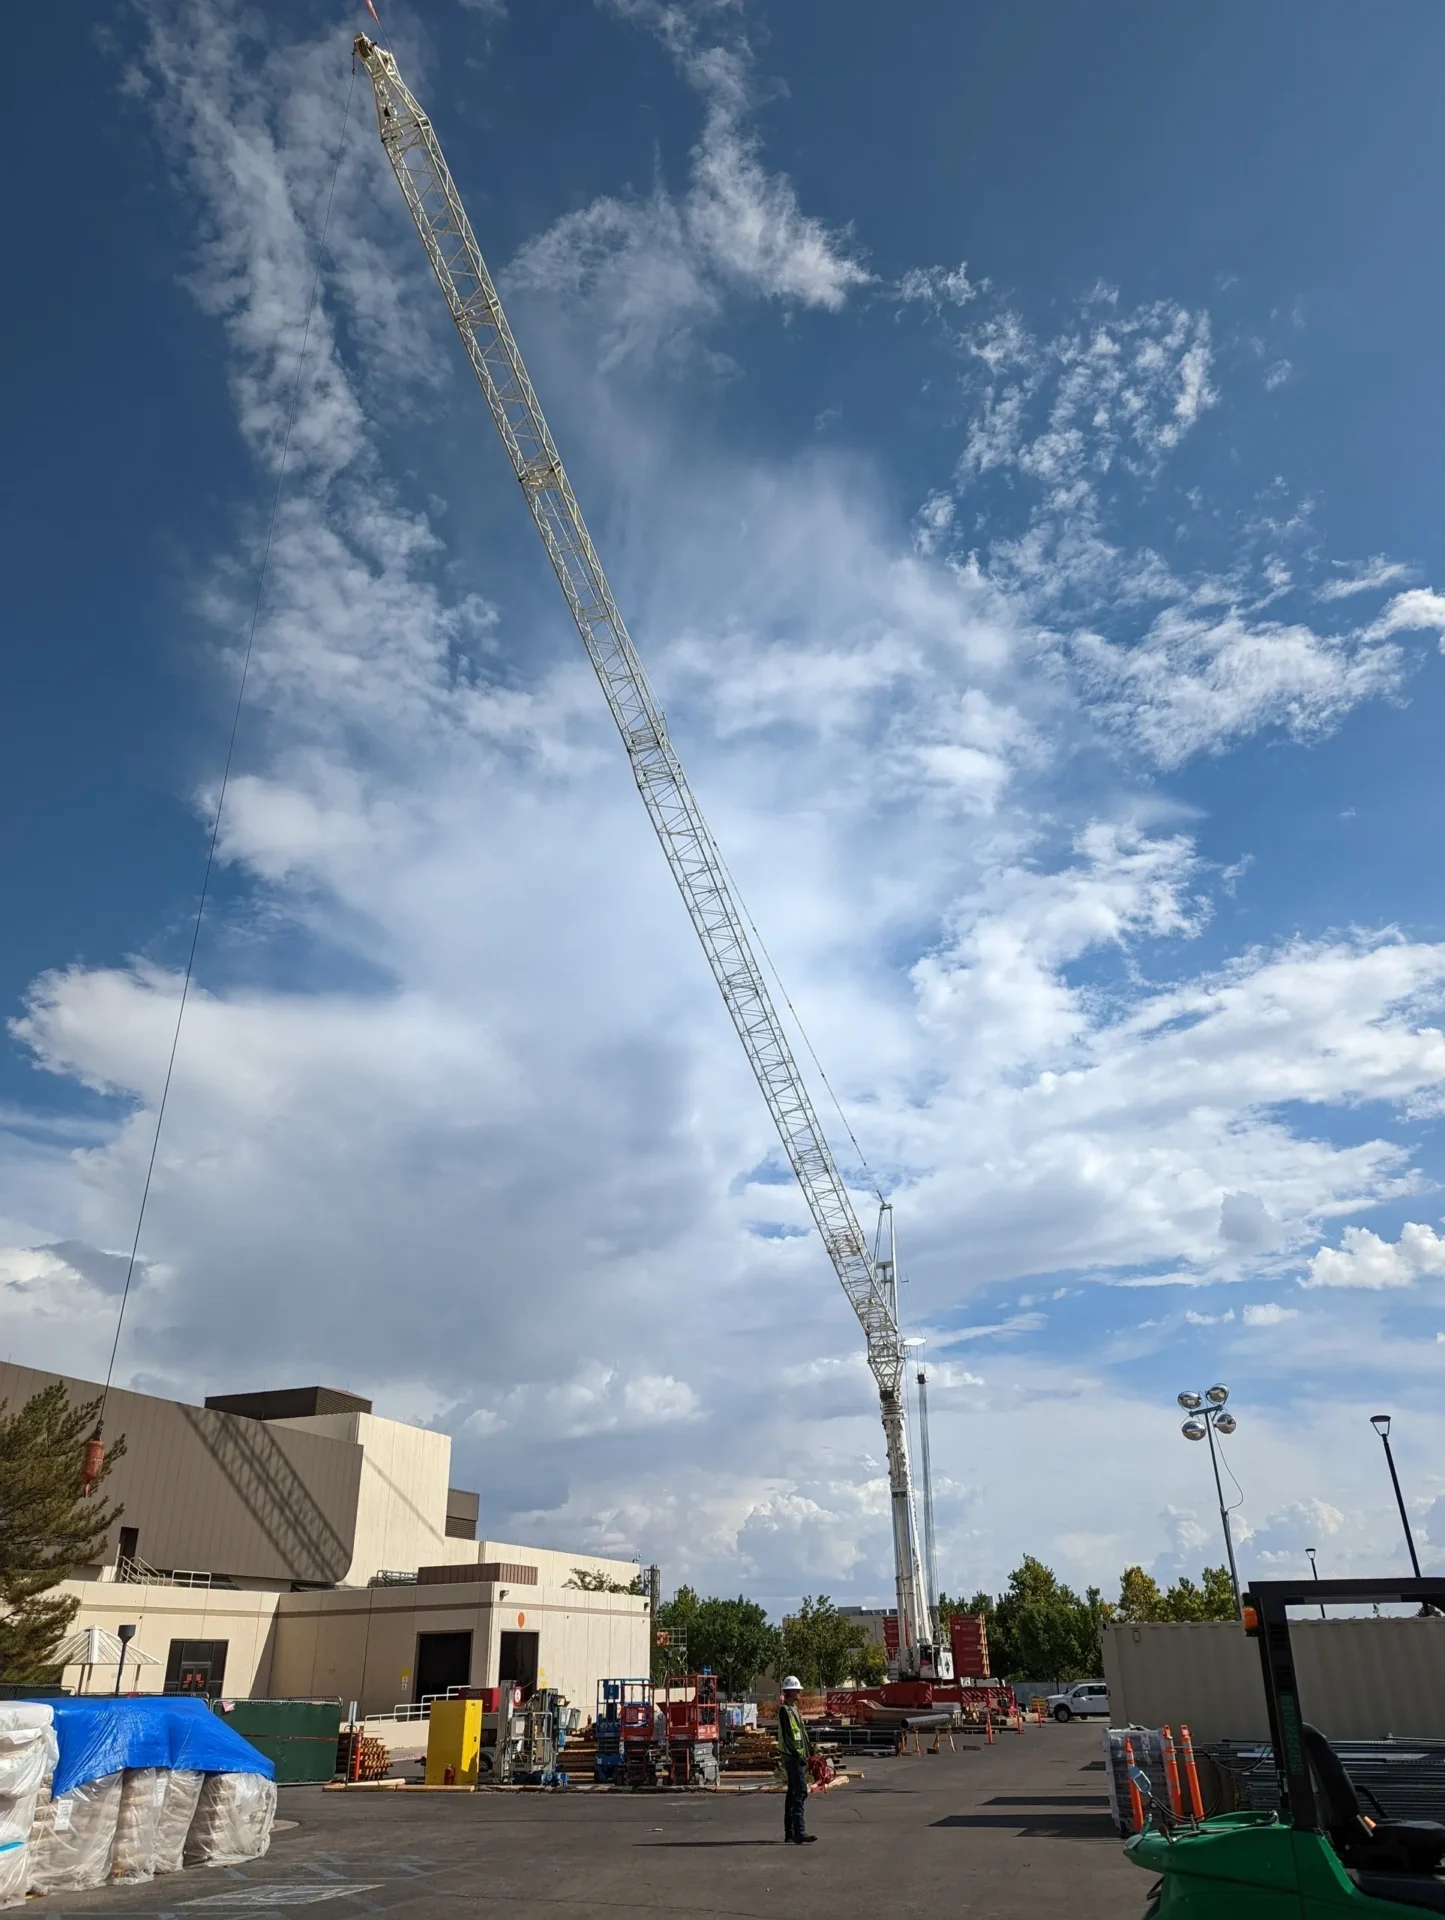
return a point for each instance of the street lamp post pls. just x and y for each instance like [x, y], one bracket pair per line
[1310, 1556]
[125, 1635]
[1207, 1413]
[1381, 1423]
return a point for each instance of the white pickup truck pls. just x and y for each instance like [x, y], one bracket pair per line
[1078, 1701]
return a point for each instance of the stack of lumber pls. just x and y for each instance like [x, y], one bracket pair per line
[753, 1751]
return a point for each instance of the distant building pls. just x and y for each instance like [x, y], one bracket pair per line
[294, 1543]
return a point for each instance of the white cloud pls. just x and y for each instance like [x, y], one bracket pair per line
[1269, 1313]
[940, 286]
[1418, 611]
[1363, 1259]
[1377, 572]
[1120, 388]
[1193, 1319]
[658, 270]
[1197, 683]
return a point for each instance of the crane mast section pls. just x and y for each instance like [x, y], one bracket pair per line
[441, 221]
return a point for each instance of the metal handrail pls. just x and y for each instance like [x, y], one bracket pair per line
[135, 1573]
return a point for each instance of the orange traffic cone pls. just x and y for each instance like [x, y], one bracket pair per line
[1191, 1773]
[1136, 1799]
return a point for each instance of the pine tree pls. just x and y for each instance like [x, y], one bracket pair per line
[49, 1530]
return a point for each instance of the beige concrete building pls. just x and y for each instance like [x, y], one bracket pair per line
[295, 1543]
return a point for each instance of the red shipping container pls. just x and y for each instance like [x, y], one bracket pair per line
[968, 1636]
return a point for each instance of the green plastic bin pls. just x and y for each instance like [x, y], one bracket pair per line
[299, 1736]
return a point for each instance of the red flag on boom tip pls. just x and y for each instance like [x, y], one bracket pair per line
[373, 12]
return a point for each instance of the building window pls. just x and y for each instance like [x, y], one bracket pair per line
[196, 1666]
[129, 1541]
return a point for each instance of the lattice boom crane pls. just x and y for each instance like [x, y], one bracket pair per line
[869, 1277]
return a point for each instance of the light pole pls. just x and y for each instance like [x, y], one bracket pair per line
[1381, 1423]
[1207, 1413]
[125, 1635]
[1310, 1556]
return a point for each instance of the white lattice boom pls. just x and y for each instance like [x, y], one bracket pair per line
[697, 867]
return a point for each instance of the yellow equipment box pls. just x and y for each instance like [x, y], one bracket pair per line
[454, 1739]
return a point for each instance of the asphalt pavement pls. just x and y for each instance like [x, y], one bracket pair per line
[1018, 1828]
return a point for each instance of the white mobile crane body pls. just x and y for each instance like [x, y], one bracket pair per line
[869, 1278]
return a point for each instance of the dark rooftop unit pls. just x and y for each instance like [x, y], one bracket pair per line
[288, 1403]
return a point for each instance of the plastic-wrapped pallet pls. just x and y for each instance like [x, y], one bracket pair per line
[183, 1790]
[232, 1821]
[137, 1830]
[74, 1836]
[27, 1756]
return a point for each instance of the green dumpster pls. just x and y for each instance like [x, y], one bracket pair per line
[298, 1735]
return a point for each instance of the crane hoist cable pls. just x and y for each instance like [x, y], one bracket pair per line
[94, 1457]
[869, 1280]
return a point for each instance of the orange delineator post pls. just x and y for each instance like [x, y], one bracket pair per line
[988, 1725]
[1136, 1799]
[1171, 1773]
[1191, 1773]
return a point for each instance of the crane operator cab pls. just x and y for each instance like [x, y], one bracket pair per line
[1323, 1855]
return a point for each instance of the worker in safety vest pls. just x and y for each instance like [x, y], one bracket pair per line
[793, 1745]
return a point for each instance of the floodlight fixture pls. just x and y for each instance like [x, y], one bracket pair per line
[1206, 1418]
[1381, 1423]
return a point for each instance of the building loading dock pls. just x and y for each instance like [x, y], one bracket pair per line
[297, 1544]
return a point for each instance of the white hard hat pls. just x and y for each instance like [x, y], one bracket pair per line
[791, 1683]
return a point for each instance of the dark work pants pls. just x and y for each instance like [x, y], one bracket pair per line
[797, 1797]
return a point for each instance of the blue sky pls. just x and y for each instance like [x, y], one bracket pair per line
[1014, 442]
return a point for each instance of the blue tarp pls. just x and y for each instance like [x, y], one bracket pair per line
[100, 1735]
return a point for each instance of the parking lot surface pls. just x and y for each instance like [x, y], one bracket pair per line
[1019, 1828]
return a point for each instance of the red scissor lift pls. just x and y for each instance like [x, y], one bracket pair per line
[635, 1715]
[692, 1729]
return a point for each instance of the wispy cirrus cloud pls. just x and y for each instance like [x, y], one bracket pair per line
[659, 269]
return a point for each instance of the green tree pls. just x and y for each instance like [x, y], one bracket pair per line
[730, 1637]
[1213, 1600]
[49, 1530]
[672, 1635]
[1139, 1596]
[589, 1580]
[870, 1664]
[821, 1645]
[1042, 1630]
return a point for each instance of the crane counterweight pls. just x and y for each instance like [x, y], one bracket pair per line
[868, 1278]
